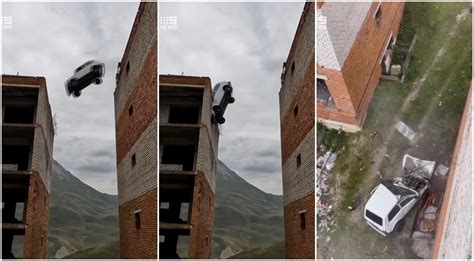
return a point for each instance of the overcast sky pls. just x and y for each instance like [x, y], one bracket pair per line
[245, 43]
[51, 40]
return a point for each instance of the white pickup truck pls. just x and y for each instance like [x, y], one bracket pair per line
[391, 200]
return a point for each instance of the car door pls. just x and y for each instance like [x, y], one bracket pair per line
[407, 204]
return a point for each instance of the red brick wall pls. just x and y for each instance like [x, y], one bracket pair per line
[294, 129]
[37, 217]
[202, 219]
[143, 100]
[362, 70]
[300, 243]
[139, 243]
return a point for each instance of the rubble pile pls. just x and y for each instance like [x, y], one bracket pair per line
[423, 236]
[325, 162]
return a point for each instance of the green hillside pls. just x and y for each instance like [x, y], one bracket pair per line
[80, 217]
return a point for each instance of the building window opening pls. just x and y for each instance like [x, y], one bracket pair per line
[16, 157]
[130, 110]
[134, 160]
[128, 67]
[292, 68]
[180, 114]
[378, 14]
[323, 94]
[138, 222]
[298, 161]
[295, 110]
[183, 156]
[303, 220]
[19, 114]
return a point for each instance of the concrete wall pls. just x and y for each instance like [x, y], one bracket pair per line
[454, 232]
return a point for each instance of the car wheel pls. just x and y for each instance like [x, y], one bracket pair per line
[231, 100]
[98, 81]
[227, 88]
[76, 94]
[74, 83]
[221, 120]
[399, 226]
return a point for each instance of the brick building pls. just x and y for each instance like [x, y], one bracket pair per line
[136, 137]
[27, 151]
[188, 163]
[454, 231]
[354, 46]
[297, 139]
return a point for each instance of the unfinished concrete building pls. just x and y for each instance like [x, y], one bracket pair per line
[27, 151]
[135, 100]
[297, 139]
[454, 231]
[188, 163]
[355, 45]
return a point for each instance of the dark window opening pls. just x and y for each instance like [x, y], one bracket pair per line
[378, 14]
[12, 245]
[17, 156]
[292, 68]
[188, 115]
[207, 240]
[130, 110]
[295, 110]
[128, 67]
[179, 155]
[298, 161]
[175, 212]
[137, 220]
[323, 93]
[303, 220]
[13, 212]
[134, 160]
[393, 212]
[14, 114]
[373, 217]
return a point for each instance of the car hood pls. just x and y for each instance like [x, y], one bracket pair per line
[381, 201]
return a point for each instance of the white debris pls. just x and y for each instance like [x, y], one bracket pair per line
[405, 130]
[441, 170]
[414, 165]
[331, 161]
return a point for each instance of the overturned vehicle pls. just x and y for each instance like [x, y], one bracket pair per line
[393, 199]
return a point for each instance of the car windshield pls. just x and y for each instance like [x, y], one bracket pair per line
[373, 217]
[396, 190]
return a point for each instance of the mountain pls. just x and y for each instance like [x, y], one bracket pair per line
[83, 222]
[80, 217]
[245, 217]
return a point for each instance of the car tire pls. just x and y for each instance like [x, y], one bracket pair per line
[98, 81]
[399, 226]
[74, 82]
[231, 100]
[227, 88]
[221, 120]
[76, 94]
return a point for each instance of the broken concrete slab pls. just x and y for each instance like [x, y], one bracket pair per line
[441, 170]
[331, 161]
[405, 130]
[396, 70]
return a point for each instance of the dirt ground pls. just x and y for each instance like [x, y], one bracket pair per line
[430, 101]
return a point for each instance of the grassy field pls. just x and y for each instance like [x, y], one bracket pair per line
[441, 70]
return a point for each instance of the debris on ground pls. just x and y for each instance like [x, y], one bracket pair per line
[423, 237]
[441, 170]
[405, 130]
[423, 168]
[422, 244]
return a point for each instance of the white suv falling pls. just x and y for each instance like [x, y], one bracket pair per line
[391, 200]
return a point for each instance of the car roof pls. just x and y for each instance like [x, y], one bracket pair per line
[381, 201]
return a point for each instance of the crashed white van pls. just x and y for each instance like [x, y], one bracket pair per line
[391, 200]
